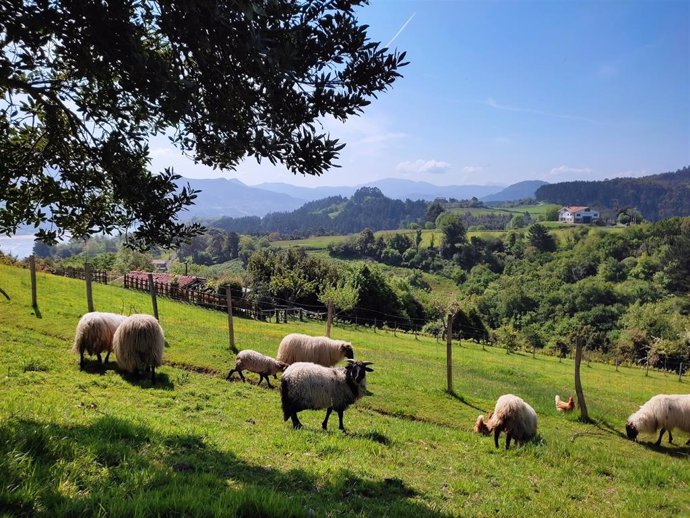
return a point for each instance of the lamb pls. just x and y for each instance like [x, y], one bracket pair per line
[138, 344]
[316, 349]
[94, 335]
[665, 411]
[511, 415]
[259, 363]
[311, 386]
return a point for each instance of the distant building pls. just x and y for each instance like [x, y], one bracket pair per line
[160, 265]
[578, 215]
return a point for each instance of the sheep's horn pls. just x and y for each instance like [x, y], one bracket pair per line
[367, 363]
[349, 360]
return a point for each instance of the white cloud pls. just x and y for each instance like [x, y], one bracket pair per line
[472, 169]
[423, 166]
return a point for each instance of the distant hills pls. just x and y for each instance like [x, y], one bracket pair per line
[232, 198]
[658, 196]
[517, 191]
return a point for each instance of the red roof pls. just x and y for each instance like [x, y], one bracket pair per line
[576, 209]
[166, 278]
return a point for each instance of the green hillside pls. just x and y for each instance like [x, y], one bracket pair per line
[98, 443]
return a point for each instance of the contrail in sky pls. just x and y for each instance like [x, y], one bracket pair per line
[400, 30]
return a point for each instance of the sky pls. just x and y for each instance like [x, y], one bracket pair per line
[499, 92]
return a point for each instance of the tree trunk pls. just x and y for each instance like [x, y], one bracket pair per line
[154, 299]
[584, 416]
[449, 353]
[231, 329]
[329, 320]
[88, 276]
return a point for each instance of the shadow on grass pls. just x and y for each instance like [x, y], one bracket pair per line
[371, 436]
[462, 400]
[130, 469]
[163, 381]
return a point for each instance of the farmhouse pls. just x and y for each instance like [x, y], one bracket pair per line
[578, 215]
[182, 281]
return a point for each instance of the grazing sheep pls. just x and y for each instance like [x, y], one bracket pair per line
[665, 411]
[261, 364]
[95, 335]
[138, 344]
[308, 386]
[316, 349]
[511, 415]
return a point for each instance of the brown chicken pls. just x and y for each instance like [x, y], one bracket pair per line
[562, 406]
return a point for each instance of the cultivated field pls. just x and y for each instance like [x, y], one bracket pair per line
[97, 443]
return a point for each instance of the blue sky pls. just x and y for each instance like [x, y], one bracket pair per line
[497, 92]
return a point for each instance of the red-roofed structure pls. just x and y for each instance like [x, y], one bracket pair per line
[577, 214]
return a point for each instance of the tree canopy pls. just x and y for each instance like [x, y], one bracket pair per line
[85, 84]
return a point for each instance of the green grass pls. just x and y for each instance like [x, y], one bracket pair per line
[96, 443]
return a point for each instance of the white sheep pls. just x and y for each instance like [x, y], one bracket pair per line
[665, 411]
[138, 344]
[94, 335]
[296, 347]
[261, 364]
[308, 386]
[511, 415]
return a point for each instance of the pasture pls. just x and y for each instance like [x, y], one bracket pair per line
[95, 442]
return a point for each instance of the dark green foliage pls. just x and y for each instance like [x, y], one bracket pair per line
[539, 238]
[454, 234]
[656, 197]
[367, 208]
[86, 84]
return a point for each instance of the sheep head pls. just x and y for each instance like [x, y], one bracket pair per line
[631, 430]
[480, 426]
[282, 366]
[348, 352]
[357, 371]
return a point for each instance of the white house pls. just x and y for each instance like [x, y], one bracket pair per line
[578, 215]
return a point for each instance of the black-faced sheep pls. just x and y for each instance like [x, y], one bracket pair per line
[511, 415]
[94, 335]
[316, 349]
[665, 411]
[138, 345]
[261, 364]
[308, 386]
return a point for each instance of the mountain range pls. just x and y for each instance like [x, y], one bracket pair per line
[230, 197]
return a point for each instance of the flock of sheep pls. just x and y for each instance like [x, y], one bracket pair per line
[311, 382]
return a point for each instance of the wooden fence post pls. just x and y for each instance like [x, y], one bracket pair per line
[89, 292]
[154, 300]
[32, 266]
[231, 329]
[329, 320]
[449, 353]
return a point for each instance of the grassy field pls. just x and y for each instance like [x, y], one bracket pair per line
[98, 443]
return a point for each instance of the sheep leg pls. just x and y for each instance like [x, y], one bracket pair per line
[153, 375]
[497, 432]
[324, 425]
[340, 420]
[230, 374]
[295, 421]
[670, 437]
[81, 359]
[265, 376]
[100, 360]
[106, 357]
[242, 375]
[508, 438]
[658, 442]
